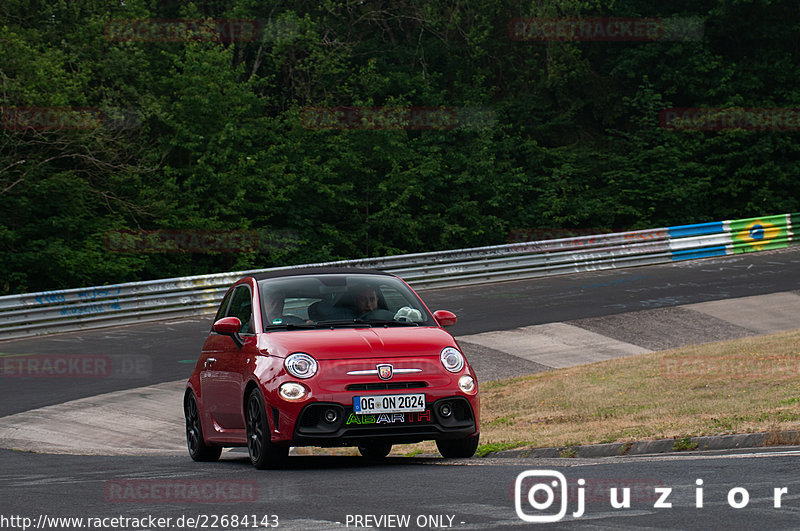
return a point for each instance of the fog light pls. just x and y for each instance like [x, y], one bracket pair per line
[445, 410]
[330, 416]
[466, 383]
[292, 391]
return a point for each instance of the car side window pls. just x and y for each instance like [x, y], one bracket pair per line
[223, 306]
[242, 307]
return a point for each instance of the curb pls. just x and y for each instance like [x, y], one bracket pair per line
[660, 446]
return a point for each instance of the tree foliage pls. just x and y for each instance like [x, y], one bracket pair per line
[204, 135]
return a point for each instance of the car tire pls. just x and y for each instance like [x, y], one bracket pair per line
[458, 448]
[198, 449]
[263, 454]
[375, 450]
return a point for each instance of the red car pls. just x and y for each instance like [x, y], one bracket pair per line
[329, 357]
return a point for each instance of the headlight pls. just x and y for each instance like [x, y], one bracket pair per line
[292, 391]
[466, 383]
[300, 365]
[452, 359]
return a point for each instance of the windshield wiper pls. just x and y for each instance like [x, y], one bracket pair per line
[366, 323]
[290, 326]
[390, 322]
[344, 322]
[357, 323]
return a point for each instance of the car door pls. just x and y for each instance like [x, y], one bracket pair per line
[212, 351]
[222, 385]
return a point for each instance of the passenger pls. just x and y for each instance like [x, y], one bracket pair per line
[273, 305]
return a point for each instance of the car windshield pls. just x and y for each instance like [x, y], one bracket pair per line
[339, 300]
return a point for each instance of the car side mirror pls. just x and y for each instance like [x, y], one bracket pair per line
[445, 318]
[227, 326]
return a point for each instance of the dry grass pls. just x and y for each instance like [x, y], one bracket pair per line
[740, 386]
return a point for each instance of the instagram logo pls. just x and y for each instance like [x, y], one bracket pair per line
[541, 496]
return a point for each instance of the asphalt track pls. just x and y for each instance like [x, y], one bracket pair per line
[322, 493]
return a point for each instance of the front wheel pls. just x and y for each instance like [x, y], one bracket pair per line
[198, 449]
[263, 454]
[458, 448]
[375, 450]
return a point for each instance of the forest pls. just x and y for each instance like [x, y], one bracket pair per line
[145, 139]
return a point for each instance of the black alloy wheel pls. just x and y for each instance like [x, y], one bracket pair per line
[263, 454]
[198, 450]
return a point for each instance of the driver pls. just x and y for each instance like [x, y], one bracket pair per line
[366, 300]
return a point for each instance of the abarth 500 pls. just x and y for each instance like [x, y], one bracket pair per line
[329, 357]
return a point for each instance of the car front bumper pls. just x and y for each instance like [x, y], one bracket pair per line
[350, 429]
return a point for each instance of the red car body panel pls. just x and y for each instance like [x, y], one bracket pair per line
[229, 367]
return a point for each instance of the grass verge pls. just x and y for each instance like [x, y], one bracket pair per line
[740, 386]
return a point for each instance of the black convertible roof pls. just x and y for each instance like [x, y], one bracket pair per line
[300, 271]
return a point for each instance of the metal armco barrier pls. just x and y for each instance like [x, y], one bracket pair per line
[47, 312]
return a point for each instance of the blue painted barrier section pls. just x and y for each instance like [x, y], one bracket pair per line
[698, 229]
[690, 254]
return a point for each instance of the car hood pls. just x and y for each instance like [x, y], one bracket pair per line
[356, 343]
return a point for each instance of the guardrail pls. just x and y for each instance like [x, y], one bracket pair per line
[95, 307]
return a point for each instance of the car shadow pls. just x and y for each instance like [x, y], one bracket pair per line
[327, 462]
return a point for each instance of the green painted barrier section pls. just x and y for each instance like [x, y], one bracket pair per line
[760, 234]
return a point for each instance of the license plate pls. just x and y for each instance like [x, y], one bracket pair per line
[367, 405]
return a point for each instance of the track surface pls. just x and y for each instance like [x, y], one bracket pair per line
[579, 296]
[323, 492]
[163, 352]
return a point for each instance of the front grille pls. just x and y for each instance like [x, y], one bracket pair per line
[385, 386]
